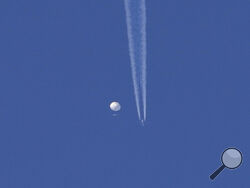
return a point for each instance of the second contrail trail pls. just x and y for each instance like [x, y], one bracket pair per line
[136, 26]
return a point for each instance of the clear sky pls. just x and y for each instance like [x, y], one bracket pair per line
[62, 63]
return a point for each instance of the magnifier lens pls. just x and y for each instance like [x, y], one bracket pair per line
[232, 158]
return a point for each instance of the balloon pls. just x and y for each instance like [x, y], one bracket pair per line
[115, 106]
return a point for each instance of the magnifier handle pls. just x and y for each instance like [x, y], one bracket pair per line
[217, 172]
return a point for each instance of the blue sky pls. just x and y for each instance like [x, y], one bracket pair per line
[63, 62]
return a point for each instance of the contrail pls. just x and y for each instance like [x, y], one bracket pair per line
[136, 26]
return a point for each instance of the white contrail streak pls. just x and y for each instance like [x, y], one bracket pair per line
[136, 26]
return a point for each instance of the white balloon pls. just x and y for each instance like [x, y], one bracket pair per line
[115, 106]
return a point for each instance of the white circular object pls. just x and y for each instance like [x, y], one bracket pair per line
[115, 106]
[231, 158]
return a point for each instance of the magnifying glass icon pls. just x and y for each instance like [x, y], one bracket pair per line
[231, 158]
